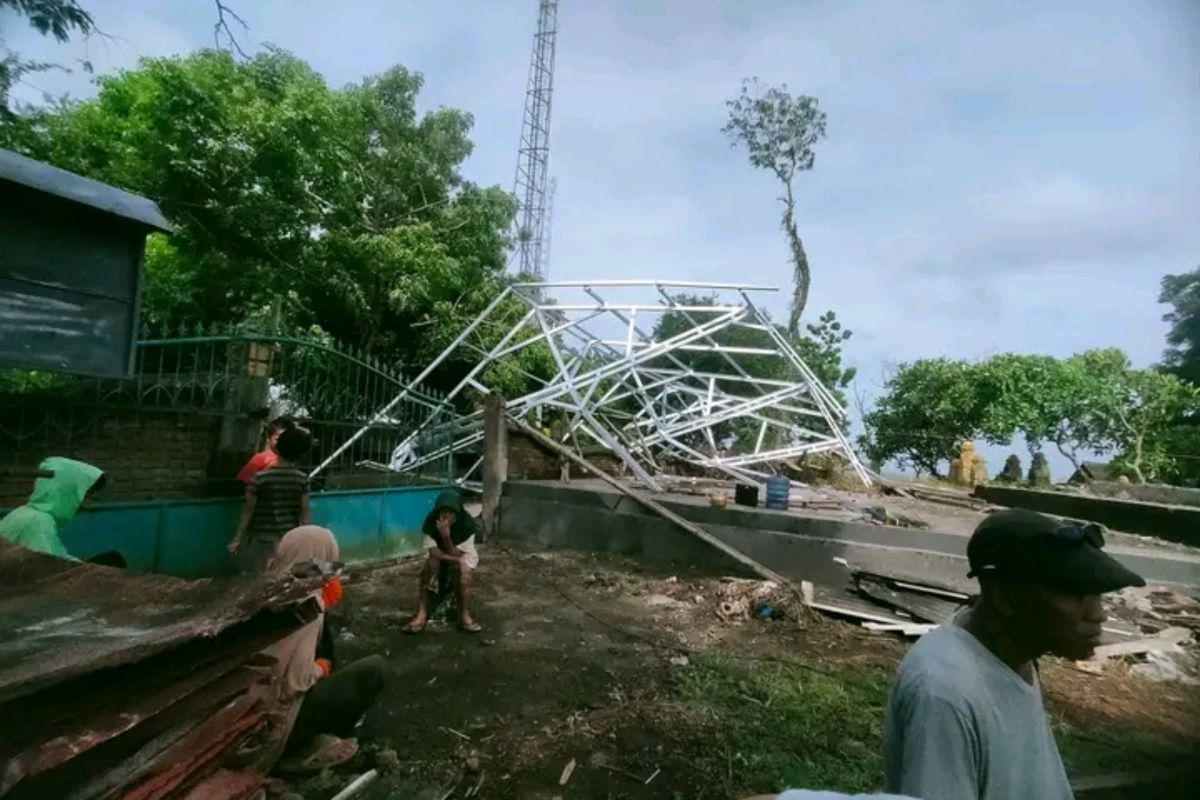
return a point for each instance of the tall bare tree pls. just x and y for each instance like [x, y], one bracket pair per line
[779, 132]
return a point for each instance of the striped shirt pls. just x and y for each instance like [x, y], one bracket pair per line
[277, 492]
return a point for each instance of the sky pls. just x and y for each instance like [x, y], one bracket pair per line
[996, 176]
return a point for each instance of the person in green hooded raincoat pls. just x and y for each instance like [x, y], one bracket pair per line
[450, 544]
[54, 502]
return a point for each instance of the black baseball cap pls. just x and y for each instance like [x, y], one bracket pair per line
[1023, 545]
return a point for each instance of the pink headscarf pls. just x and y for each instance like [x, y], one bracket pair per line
[295, 670]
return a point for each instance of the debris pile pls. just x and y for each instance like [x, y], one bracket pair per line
[741, 599]
[123, 685]
[1160, 641]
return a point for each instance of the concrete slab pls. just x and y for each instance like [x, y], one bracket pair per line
[801, 546]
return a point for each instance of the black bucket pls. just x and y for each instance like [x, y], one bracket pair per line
[745, 495]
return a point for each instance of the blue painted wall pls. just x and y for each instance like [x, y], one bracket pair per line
[188, 538]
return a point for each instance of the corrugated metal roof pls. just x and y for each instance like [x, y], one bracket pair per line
[111, 679]
[60, 619]
[18, 169]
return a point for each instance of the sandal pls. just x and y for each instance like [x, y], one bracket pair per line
[324, 752]
[473, 627]
[412, 630]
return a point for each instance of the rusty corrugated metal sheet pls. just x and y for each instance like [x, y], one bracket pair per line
[60, 619]
[110, 679]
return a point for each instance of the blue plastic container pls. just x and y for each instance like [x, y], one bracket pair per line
[779, 489]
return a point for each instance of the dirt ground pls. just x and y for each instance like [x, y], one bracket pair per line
[583, 658]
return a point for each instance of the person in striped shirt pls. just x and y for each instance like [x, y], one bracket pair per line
[276, 502]
[268, 457]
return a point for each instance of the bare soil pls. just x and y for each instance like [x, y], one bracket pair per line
[581, 660]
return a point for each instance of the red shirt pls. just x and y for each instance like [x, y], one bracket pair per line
[257, 463]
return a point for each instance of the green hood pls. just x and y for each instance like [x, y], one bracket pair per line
[449, 499]
[61, 496]
[464, 525]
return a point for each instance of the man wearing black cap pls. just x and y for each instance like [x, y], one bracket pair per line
[965, 719]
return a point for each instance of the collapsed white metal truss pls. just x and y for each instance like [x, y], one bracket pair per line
[620, 387]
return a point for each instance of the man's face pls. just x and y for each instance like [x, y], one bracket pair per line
[1066, 625]
[446, 517]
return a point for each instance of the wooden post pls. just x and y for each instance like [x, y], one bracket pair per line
[495, 461]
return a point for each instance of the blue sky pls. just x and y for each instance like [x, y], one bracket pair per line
[997, 176]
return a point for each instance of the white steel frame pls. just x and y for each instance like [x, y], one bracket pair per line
[599, 379]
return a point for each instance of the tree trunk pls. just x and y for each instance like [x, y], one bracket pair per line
[1069, 455]
[1136, 464]
[801, 277]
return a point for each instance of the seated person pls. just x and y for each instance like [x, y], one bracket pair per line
[317, 708]
[37, 525]
[452, 558]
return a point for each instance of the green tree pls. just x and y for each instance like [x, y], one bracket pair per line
[1147, 407]
[296, 205]
[927, 408]
[779, 132]
[57, 18]
[1182, 293]
[1047, 400]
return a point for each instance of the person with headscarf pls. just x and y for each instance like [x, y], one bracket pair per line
[311, 700]
[55, 501]
[449, 542]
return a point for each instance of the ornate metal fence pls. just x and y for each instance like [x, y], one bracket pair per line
[222, 386]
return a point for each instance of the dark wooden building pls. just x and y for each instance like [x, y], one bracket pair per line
[70, 269]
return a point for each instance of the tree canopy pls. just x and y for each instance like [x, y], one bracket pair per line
[57, 18]
[779, 131]
[295, 206]
[1089, 404]
[1182, 293]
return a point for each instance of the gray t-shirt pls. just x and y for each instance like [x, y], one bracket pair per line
[961, 725]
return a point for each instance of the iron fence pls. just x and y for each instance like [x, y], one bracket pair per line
[236, 380]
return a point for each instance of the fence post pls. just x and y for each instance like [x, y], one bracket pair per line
[495, 460]
[249, 364]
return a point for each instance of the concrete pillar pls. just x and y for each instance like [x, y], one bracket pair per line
[495, 461]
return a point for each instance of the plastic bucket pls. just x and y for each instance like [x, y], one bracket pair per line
[779, 489]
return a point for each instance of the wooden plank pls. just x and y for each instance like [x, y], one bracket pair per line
[924, 607]
[913, 629]
[853, 613]
[1166, 639]
[701, 534]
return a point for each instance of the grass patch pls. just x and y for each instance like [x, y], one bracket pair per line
[775, 726]
[1111, 749]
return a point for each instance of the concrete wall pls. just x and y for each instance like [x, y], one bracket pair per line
[187, 538]
[1146, 492]
[529, 461]
[1173, 523]
[800, 547]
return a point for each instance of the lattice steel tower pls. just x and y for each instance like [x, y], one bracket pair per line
[533, 154]
[548, 231]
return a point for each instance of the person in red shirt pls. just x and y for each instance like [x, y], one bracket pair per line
[268, 457]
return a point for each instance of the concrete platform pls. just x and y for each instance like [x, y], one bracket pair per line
[594, 516]
[1175, 523]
